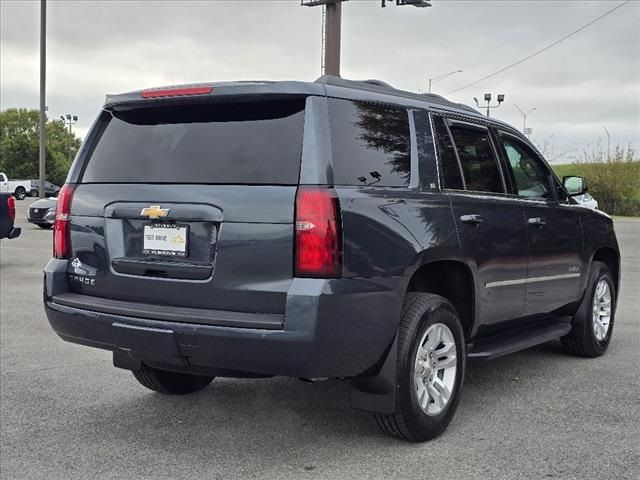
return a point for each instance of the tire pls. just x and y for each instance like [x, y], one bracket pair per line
[587, 337]
[424, 315]
[34, 193]
[170, 383]
[45, 226]
[20, 193]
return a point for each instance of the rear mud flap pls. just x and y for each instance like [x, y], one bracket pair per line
[135, 343]
[377, 393]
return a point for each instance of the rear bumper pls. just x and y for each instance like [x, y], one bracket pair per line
[331, 328]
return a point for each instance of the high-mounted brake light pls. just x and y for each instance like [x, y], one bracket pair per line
[61, 228]
[176, 92]
[318, 233]
[11, 206]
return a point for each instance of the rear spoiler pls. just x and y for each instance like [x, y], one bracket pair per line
[213, 91]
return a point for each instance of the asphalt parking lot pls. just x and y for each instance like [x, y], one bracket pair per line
[67, 413]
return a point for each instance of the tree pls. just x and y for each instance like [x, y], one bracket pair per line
[19, 146]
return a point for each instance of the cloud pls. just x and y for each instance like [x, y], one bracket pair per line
[94, 48]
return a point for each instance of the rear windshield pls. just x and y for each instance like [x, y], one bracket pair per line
[245, 143]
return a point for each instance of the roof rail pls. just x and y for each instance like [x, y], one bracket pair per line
[379, 86]
[379, 83]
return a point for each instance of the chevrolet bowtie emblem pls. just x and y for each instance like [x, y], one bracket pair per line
[154, 211]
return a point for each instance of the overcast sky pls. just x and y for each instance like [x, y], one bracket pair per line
[586, 82]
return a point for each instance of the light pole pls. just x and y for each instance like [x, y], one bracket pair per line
[43, 84]
[487, 98]
[441, 77]
[524, 116]
[69, 120]
[332, 28]
[608, 143]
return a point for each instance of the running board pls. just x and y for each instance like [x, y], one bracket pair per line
[493, 347]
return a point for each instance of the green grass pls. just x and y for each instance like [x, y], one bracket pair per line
[627, 219]
[567, 169]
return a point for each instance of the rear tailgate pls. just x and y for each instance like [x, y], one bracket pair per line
[190, 205]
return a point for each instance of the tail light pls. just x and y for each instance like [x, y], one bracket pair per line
[61, 229]
[11, 206]
[318, 233]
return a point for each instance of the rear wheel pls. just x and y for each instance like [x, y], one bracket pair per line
[170, 383]
[430, 371]
[593, 322]
[20, 193]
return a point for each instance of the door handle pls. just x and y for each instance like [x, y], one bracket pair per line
[473, 219]
[539, 221]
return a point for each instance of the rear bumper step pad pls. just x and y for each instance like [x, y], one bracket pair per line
[222, 318]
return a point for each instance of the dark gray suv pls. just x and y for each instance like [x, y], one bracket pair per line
[330, 229]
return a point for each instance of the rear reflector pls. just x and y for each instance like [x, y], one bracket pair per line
[61, 228]
[176, 92]
[318, 233]
[11, 206]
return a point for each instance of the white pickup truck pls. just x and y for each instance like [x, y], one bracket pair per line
[19, 188]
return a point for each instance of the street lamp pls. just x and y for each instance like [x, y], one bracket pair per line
[69, 120]
[441, 77]
[524, 122]
[487, 98]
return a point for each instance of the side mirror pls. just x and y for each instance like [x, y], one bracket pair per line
[575, 185]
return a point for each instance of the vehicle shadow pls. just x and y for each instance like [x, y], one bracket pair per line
[292, 415]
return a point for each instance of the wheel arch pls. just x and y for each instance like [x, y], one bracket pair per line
[452, 279]
[611, 258]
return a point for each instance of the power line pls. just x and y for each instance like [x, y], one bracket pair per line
[538, 52]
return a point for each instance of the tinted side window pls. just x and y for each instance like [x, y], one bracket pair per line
[451, 176]
[531, 176]
[371, 143]
[479, 165]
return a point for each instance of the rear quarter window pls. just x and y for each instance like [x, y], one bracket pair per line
[370, 142]
[230, 143]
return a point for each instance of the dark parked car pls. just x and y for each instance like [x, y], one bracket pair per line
[7, 216]
[42, 212]
[50, 189]
[333, 229]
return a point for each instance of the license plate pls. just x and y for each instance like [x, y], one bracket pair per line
[165, 239]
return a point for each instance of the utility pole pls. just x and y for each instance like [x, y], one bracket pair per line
[69, 120]
[524, 116]
[487, 98]
[332, 29]
[441, 77]
[332, 25]
[608, 143]
[43, 85]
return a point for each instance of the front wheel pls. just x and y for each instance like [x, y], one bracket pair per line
[170, 383]
[20, 193]
[430, 369]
